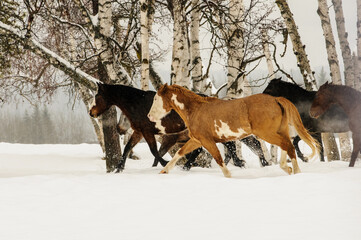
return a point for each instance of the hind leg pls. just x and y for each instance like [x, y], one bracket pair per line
[191, 158]
[296, 140]
[356, 139]
[150, 139]
[256, 148]
[188, 147]
[232, 152]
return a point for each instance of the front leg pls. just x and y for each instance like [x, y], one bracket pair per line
[256, 148]
[134, 140]
[188, 147]
[232, 152]
[318, 137]
[356, 139]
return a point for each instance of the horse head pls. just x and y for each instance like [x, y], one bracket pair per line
[101, 103]
[161, 105]
[322, 101]
[275, 87]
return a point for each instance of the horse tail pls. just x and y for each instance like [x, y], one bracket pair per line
[295, 120]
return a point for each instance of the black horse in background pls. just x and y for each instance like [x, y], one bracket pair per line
[135, 105]
[333, 120]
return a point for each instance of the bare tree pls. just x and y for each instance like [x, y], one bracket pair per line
[358, 58]
[334, 66]
[298, 46]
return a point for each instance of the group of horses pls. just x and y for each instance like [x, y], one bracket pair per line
[195, 121]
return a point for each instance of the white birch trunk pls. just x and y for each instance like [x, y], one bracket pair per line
[270, 157]
[344, 44]
[144, 36]
[334, 69]
[196, 60]
[180, 59]
[298, 47]
[358, 73]
[235, 51]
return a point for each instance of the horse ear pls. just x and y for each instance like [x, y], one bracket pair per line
[163, 88]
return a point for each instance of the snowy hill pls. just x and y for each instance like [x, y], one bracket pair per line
[62, 192]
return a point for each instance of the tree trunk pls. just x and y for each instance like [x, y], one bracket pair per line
[145, 8]
[298, 48]
[349, 71]
[196, 60]
[334, 68]
[273, 156]
[344, 44]
[358, 73]
[180, 59]
[235, 50]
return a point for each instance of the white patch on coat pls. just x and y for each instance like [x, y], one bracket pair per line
[175, 100]
[159, 126]
[157, 111]
[292, 131]
[225, 131]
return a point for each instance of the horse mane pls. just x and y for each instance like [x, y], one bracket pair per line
[190, 94]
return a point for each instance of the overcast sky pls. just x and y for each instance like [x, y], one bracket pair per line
[309, 24]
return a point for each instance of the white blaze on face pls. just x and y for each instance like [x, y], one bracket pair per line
[178, 104]
[157, 111]
[225, 131]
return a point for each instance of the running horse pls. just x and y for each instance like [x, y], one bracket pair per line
[333, 120]
[210, 120]
[349, 100]
[135, 105]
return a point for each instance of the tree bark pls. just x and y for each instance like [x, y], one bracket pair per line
[334, 69]
[344, 44]
[144, 36]
[358, 73]
[180, 59]
[196, 60]
[298, 48]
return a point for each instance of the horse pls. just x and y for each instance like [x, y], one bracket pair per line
[334, 120]
[349, 100]
[210, 120]
[135, 104]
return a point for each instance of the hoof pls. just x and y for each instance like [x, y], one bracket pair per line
[118, 170]
[163, 172]
[289, 170]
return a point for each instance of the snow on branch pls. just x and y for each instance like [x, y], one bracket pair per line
[54, 59]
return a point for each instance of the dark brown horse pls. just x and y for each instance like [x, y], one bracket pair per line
[350, 101]
[210, 120]
[135, 104]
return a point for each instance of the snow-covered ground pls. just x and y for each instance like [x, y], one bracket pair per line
[62, 192]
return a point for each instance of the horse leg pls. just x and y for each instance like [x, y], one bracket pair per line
[318, 137]
[167, 142]
[356, 139]
[134, 139]
[296, 140]
[189, 146]
[150, 139]
[213, 150]
[256, 148]
[231, 147]
[191, 158]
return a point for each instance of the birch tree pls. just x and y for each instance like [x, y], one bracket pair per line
[349, 72]
[196, 60]
[180, 58]
[358, 58]
[298, 47]
[333, 64]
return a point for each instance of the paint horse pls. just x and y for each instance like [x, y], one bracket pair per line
[334, 120]
[135, 104]
[350, 101]
[210, 120]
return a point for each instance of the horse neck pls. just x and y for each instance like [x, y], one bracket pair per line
[189, 104]
[347, 98]
[121, 96]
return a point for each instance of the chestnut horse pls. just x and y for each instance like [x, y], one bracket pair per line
[350, 101]
[210, 120]
[135, 104]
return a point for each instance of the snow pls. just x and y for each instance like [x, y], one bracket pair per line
[63, 192]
